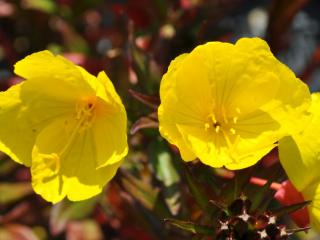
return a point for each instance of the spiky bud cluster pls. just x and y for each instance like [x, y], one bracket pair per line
[237, 222]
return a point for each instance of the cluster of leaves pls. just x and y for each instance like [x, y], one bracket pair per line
[134, 42]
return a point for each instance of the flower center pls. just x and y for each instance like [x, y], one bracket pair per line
[84, 116]
[223, 127]
[86, 112]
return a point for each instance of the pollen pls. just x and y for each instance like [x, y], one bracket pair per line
[233, 131]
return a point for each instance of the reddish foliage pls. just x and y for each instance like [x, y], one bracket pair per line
[288, 195]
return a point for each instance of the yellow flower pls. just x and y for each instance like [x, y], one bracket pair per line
[68, 125]
[300, 157]
[229, 104]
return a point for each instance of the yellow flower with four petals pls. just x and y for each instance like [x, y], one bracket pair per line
[228, 105]
[68, 125]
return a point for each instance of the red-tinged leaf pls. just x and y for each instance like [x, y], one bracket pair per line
[87, 229]
[143, 42]
[12, 192]
[17, 232]
[134, 234]
[150, 101]
[288, 195]
[17, 212]
[66, 211]
[142, 123]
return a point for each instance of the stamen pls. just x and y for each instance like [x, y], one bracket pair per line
[235, 119]
[217, 128]
[228, 141]
[213, 118]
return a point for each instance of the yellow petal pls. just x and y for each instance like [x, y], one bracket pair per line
[25, 110]
[84, 189]
[110, 137]
[16, 136]
[168, 128]
[206, 146]
[312, 193]
[168, 80]
[300, 153]
[46, 67]
[239, 78]
[291, 97]
[291, 103]
[64, 163]
[110, 128]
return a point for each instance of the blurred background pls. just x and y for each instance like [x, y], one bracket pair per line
[134, 41]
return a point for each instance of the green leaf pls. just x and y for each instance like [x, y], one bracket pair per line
[11, 192]
[6, 166]
[237, 185]
[191, 227]
[196, 191]
[166, 173]
[47, 6]
[260, 195]
[65, 211]
[145, 194]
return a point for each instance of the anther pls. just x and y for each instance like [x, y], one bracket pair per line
[235, 119]
[233, 131]
[217, 127]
